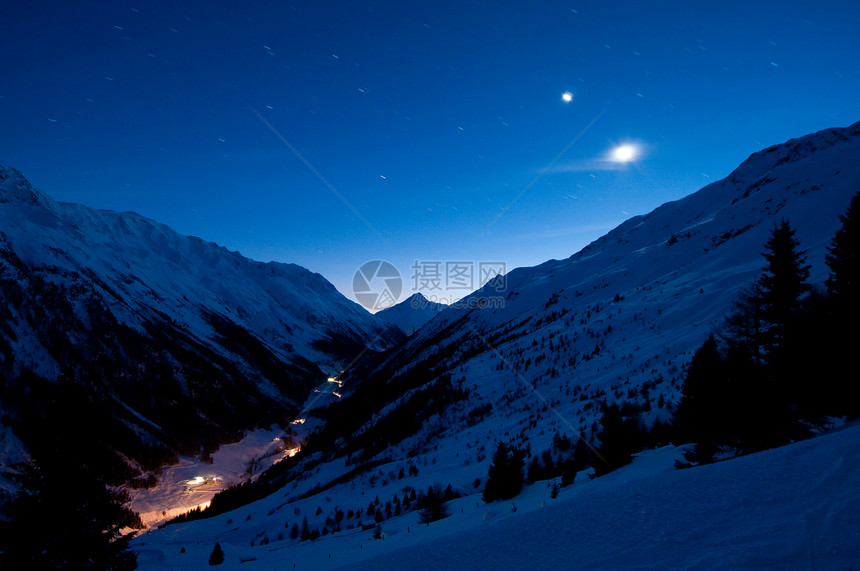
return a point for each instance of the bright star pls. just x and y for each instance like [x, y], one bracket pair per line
[567, 96]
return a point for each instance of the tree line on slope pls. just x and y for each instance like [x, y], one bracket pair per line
[785, 367]
[782, 364]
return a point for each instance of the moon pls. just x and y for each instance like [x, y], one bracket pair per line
[567, 96]
[624, 153]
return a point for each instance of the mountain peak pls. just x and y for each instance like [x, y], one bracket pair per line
[14, 187]
[412, 313]
[416, 298]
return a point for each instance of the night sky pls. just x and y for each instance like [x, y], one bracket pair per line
[328, 134]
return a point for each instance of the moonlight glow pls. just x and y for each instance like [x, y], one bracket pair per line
[567, 96]
[624, 153]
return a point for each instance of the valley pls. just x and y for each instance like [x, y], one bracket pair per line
[191, 483]
[324, 429]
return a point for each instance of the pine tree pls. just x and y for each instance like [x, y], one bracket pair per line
[568, 472]
[702, 396]
[619, 439]
[743, 327]
[505, 475]
[434, 506]
[843, 259]
[842, 393]
[217, 555]
[782, 284]
[66, 517]
[710, 404]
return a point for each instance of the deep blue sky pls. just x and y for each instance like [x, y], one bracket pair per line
[428, 118]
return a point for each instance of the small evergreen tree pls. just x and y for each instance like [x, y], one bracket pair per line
[306, 530]
[217, 555]
[699, 417]
[619, 439]
[534, 471]
[433, 504]
[843, 259]
[505, 475]
[568, 472]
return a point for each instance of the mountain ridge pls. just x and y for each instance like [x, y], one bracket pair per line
[112, 301]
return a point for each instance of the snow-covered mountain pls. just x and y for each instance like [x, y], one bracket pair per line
[623, 315]
[527, 359]
[618, 320]
[190, 342]
[412, 314]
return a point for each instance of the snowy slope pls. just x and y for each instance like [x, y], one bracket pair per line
[793, 507]
[618, 320]
[535, 356]
[624, 315]
[412, 314]
[789, 508]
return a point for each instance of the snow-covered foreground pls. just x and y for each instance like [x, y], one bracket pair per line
[793, 507]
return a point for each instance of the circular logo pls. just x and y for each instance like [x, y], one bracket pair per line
[377, 284]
